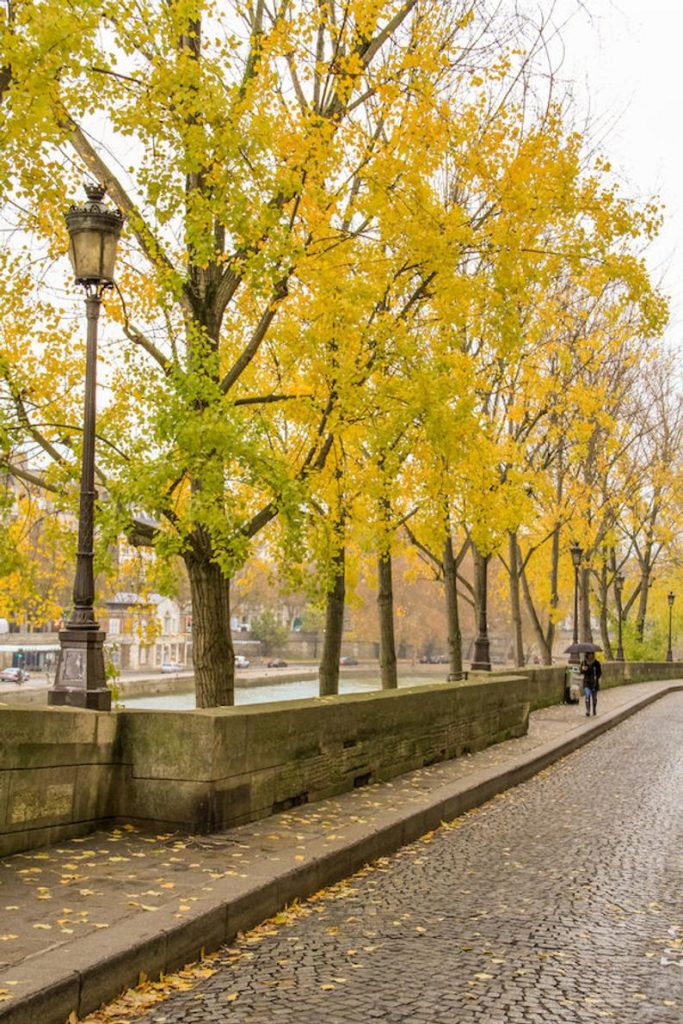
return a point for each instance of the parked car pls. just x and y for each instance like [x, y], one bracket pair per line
[171, 666]
[241, 661]
[277, 663]
[14, 675]
[346, 659]
[434, 659]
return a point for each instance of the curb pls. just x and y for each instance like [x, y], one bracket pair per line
[93, 970]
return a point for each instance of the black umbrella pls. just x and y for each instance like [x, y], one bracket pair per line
[582, 649]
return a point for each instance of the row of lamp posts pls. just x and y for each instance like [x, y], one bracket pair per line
[80, 680]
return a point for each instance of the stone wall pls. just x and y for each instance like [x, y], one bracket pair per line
[546, 682]
[64, 772]
[57, 774]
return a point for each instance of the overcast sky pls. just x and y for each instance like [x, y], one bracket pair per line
[626, 59]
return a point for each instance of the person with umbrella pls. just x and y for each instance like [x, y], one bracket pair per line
[591, 670]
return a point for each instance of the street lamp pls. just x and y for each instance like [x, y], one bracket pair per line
[619, 586]
[671, 597]
[94, 231]
[481, 660]
[577, 554]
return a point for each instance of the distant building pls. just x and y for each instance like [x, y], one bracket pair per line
[146, 631]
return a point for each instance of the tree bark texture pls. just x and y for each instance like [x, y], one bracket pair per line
[515, 604]
[645, 583]
[328, 670]
[451, 587]
[213, 654]
[387, 641]
[604, 614]
[545, 650]
[585, 629]
[554, 591]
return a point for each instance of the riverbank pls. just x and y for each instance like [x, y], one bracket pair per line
[34, 692]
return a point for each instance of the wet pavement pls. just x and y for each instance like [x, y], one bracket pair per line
[559, 901]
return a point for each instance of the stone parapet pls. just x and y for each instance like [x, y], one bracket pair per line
[64, 772]
[546, 682]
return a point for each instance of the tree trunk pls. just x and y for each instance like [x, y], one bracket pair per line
[387, 643]
[482, 655]
[645, 583]
[546, 652]
[604, 622]
[554, 592]
[328, 671]
[212, 652]
[515, 606]
[454, 635]
[585, 630]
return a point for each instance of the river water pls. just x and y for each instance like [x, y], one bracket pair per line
[261, 693]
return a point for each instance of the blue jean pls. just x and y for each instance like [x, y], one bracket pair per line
[590, 696]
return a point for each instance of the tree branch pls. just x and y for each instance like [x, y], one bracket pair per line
[91, 158]
[138, 338]
[241, 363]
[268, 399]
[30, 478]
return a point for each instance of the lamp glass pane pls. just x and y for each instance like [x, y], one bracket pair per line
[108, 256]
[87, 255]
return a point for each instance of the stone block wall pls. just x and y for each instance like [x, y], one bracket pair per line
[57, 774]
[239, 764]
[546, 682]
[64, 772]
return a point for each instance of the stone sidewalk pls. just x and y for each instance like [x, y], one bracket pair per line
[80, 921]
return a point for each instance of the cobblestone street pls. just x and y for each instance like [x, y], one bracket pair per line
[560, 901]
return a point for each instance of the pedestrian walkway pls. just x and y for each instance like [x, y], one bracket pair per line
[559, 902]
[79, 921]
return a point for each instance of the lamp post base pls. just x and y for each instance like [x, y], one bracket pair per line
[482, 655]
[80, 681]
[669, 655]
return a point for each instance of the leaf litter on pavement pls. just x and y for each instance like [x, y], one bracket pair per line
[135, 1002]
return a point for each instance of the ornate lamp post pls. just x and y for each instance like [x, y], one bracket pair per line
[482, 648]
[671, 597]
[94, 231]
[619, 586]
[577, 554]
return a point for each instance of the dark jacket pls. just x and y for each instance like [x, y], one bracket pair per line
[591, 672]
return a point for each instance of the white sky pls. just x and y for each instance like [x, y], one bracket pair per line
[626, 58]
